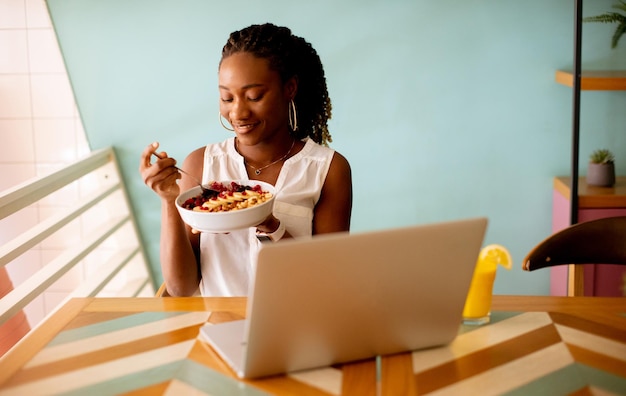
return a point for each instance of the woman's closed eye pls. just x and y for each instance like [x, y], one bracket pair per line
[250, 99]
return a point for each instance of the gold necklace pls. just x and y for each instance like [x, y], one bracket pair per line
[257, 171]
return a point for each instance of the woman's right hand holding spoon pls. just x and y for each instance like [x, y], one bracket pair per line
[160, 176]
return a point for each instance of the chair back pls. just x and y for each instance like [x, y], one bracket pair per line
[601, 241]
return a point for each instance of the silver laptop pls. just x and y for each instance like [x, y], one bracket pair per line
[344, 297]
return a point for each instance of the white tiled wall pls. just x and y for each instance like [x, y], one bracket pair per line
[39, 124]
[40, 131]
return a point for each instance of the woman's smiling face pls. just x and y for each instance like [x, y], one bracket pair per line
[252, 97]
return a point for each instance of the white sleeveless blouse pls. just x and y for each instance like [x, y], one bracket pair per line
[227, 260]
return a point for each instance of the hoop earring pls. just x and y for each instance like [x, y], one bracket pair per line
[222, 123]
[293, 116]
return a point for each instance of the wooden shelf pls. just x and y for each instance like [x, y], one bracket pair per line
[598, 80]
[592, 197]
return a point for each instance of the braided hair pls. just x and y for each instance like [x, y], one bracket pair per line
[290, 56]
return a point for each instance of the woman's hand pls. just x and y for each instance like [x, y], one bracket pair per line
[272, 228]
[160, 176]
[269, 225]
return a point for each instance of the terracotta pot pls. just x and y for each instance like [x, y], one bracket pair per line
[15, 328]
[602, 175]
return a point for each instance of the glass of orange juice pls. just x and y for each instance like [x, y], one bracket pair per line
[477, 310]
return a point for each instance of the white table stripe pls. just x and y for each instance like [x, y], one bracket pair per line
[99, 373]
[107, 340]
[606, 346]
[499, 380]
[479, 339]
[327, 379]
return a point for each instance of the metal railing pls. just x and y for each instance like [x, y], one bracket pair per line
[105, 221]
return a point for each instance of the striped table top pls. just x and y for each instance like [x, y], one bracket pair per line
[150, 346]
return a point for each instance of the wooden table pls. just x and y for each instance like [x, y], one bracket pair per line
[147, 346]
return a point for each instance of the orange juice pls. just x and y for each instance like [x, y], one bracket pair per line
[478, 303]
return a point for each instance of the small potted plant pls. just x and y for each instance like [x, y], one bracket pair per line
[612, 17]
[601, 169]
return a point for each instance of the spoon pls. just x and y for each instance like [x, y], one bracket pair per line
[206, 192]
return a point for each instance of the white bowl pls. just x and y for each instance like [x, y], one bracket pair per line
[218, 222]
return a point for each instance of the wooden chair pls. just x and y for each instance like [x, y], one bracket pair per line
[162, 292]
[601, 241]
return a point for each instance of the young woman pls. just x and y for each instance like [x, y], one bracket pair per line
[273, 97]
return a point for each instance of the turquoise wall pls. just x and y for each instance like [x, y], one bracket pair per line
[448, 107]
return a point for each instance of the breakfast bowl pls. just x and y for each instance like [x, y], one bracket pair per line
[240, 204]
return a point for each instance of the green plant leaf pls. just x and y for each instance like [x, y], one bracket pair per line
[602, 156]
[621, 29]
[612, 17]
[609, 17]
